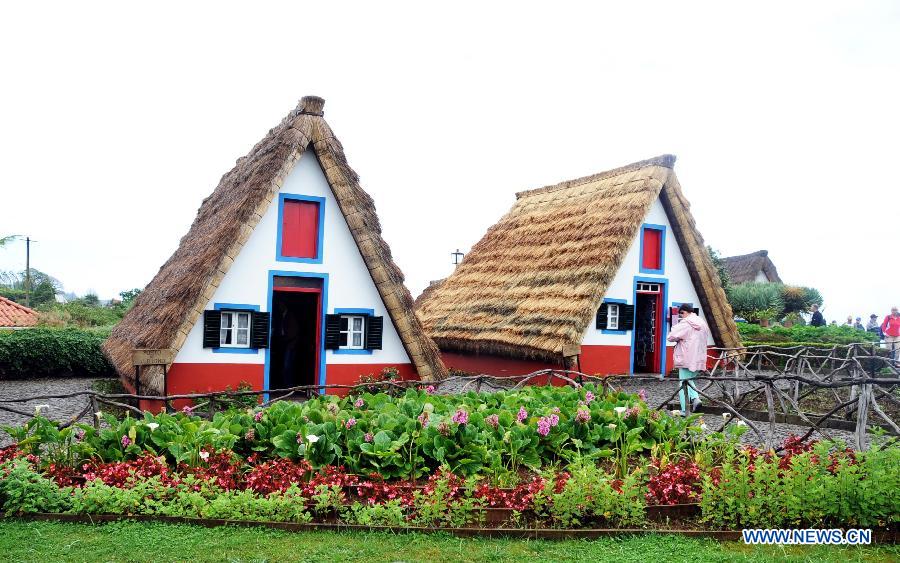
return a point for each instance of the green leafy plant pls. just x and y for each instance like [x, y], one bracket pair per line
[48, 352]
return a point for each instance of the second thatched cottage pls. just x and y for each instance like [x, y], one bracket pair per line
[282, 280]
[587, 274]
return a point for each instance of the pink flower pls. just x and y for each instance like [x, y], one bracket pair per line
[188, 410]
[444, 428]
[423, 419]
[79, 434]
[250, 435]
[368, 437]
[555, 410]
[583, 416]
[461, 416]
[492, 420]
[642, 395]
[258, 416]
[359, 403]
[523, 414]
[588, 397]
[633, 412]
[554, 419]
[126, 441]
[299, 437]
[429, 389]
[543, 426]
[351, 422]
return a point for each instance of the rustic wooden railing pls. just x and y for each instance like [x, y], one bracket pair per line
[859, 381]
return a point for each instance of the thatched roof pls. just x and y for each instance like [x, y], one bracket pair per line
[744, 268]
[428, 291]
[174, 300]
[532, 284]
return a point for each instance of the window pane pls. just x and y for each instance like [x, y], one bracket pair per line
[357, 323]
[342, 339]
[243, 320]
[243, 337]
[225, 336]
[357, 339]
[226, 320]
[345, 323]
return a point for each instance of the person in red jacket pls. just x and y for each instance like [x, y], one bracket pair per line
[890, 328]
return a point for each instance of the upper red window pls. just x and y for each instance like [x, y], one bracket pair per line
[300, 229]
[651, 258]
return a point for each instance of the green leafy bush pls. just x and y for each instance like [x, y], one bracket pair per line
[48, 352]
[592, 495]
[811, 334]
[756, 301]
[22, 491]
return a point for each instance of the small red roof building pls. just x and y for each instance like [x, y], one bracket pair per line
[13, 315]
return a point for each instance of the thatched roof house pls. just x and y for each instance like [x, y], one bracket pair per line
[569, 253]
[753, 267]
[241, 239]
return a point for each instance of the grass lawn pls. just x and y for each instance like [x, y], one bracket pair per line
[139, 541]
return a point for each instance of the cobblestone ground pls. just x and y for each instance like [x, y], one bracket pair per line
[58, 409]
[659, 391]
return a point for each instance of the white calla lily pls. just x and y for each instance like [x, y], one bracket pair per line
[312, 438]
[152, 426]
[620, 410]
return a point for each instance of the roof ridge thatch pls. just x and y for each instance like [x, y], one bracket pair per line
[531, 285]
[664, 160]
[174, 300]
[744, 267]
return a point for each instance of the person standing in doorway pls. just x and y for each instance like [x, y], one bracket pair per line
[690, 336]
[890, 328]
[817, 318]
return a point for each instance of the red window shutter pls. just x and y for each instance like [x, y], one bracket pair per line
[300, 229]
[652, 258]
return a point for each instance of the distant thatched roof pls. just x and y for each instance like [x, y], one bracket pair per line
[530, 287]
[745, 267]
[174, 300]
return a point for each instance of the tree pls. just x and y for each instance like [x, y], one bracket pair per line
[43, 287]
[719, 264]
[128, 296]
[7, 239]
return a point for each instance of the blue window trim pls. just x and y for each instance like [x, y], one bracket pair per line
[321, 234]
[235, 307]
[617, 302]
[665, 325]
[351, 311]
[270, 293]
[662, 250]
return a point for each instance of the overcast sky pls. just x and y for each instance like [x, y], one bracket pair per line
[116, 121]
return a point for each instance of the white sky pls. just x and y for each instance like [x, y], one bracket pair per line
[117, 120]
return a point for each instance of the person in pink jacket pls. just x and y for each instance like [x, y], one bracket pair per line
[690, 336]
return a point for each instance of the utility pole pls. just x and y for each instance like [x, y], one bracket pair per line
[28, 271]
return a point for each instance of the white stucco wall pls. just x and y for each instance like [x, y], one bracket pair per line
[349, 282]
[761, 277]
[680, 290]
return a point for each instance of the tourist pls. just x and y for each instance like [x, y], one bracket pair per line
[690, 336]
[890, 328]
[873, 325]
[817, 318]
[849, 322]
[858, 324]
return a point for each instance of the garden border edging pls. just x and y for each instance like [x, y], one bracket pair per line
[879, 536]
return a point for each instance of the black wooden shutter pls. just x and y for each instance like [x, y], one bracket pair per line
[374, 332]
[626, 317]
[212, 323]
[602, 316]
[259, 330]
[332, 332]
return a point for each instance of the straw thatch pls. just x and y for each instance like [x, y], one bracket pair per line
[744, 268]
[174, 300]
[428, 291]
[530, 287]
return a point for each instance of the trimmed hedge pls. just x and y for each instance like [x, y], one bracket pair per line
[816, 335]
[52, 352]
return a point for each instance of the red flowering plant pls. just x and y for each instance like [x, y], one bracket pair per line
[124, 474]
[375, 490]
[276, 475]
[520, 497]
[676, 482]
[223, 469]
[10, 452]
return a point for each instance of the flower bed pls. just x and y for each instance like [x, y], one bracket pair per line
[540, 458]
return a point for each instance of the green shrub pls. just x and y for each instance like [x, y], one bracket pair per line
[756, 301]
[47, 352]
[814, 334]
[590, 495]
[23, 491]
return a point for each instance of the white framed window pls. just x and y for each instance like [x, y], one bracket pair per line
[234, 331]
[612, 316]
[648, 287]
[353, 329]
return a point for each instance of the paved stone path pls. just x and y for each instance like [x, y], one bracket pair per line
[58, 409]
